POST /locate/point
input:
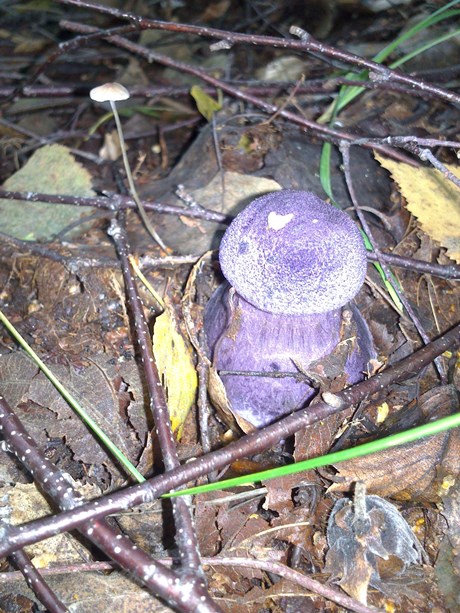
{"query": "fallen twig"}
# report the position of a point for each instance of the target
(248, 445)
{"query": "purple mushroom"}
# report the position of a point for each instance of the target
(292, 262)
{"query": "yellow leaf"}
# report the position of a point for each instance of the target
(206, 105)
(173, 356)
(45, 560)
(382, 412)
(432, 199)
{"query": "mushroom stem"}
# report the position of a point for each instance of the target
(132, 188)
(249, 348)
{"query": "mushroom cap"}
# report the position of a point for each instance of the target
(109, 92)
(291, 252)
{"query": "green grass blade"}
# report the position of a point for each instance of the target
(349, 93)
(436, 17)
(394, 440)
(92, 425)
(389, 287)
(100, 122)
(424, 47)
(325, 169)
(325, 177)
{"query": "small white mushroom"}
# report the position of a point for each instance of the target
(109, 92)
(112, 93)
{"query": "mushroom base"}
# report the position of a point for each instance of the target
(272, 364)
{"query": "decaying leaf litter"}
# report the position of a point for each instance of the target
(201, 148)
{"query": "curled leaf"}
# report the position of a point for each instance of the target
(206, 105)
(432, 198)
(419, 471)
(369, 541)
(174, 361)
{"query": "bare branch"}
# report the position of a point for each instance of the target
(248, 445)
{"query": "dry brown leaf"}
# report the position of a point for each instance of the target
(448, 561)
(88, 592)
(23, 503)
(206, 523)
(96, 385)
(370, 542)
(420, 471)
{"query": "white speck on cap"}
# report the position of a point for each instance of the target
(109, 92)
(277, 221)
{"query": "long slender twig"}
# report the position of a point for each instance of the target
(446, 271)
(185, 534)
(160, 580)
(426, 154)
(322, 131)
(46, 140)
(327, 86)
(77, 262)
(37, 583)
(450, 271)
(296, 577)
(305, 44)
(402, 141)
(248, 445)
(276, 568)
(113, 202)
(63, 48)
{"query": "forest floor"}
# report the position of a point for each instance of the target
(227, 102)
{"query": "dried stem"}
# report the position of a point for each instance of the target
(185, 534)
(345, 151)
(248, 445)
(160, 580)
(307, 43)
(36, 583)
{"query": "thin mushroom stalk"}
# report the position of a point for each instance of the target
(282, 324)
(113, 92)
